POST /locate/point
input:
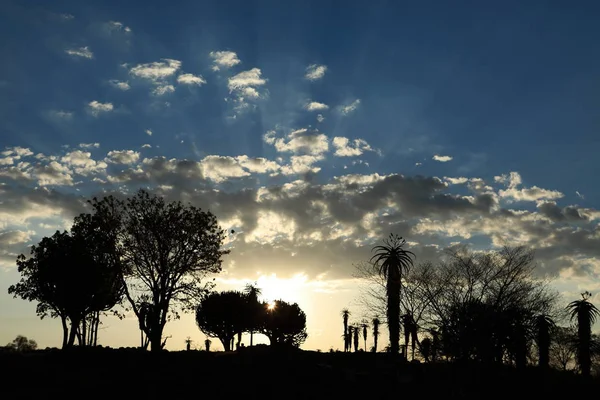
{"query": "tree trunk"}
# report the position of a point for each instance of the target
(393, 311)
(65, 328)
(156, 339)
(73, 333)
(226, 341)
(251, 337)
(375, 343)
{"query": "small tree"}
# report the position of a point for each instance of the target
(285, 324)
(71, 276)
(585, 313)
(167, 250)
(376, 324)
(221, 315)
(22, 344)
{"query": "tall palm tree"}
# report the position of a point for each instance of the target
(376, 323)
(364, 325)
(586, 314)
(349, 338)
(355, 331)
(345, 316)
(393, 262)
(252, 292)
(543, 325)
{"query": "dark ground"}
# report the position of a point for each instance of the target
(263, 374)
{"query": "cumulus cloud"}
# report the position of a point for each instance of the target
(190, 79)
(514, 193)
(224, 59)
(122, 156)
(148, 132)
(96, 108)
(244, 86)
(163, 89)
(350, 108)
(440, 158)
(316, 106)
(309, 142)
(120, 85)
(346, 148)
(220, 168)
(83, 52)
(320, 118)
(82, 163)
(315, 72)
(156, 71)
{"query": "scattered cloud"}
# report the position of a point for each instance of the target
(244, 86)
(156, 71)
(96, 108)
(148, 132)
(224, 59)
(146, 146)
(316, 106)
(163, 89)
(120, 85)
(123, 157)
(305, 141)
(89, 145)
(350, 108)
(83, 52)
(346, 148)
(320, 118)
(190, 79)
(116, 26)
(439, 158)
(582, 197)
(82, 163)
(315, 72)
(61, 115)
(514, 193)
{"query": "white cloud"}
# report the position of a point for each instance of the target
(82, 163)
(89, 145)
(117, 26)
(224, 59)
(52, 174)
(163, 89)
(320, 118)
(96, 108)
(120, 85)
(310, 142)
(83, 52)
(190, 79)
(582, 197)
(122, 156)
(156, 71)
(250, 78)
(148, 132)
(258, 165)
(302, 164)
(315, 72)
(146, 146)
(316, 106)
(418, 164)
(456, 181)
(442, 158)
(345, 148)
(534, 193)
(220, 168)
(350, 108)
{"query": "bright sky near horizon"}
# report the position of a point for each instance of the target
(312, 128)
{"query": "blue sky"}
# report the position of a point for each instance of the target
(313, 107)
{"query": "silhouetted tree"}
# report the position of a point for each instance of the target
(345, 316)
(544, 325)
(393, 262)
(585, 313)
(364, 325)
(425, 348)
(220, 315)
(563, 347)
(188, 344)
(22, 344)
(376, 323)
(356, 333)
(207, 343)
(254, 309)
(167, 250)
(285, 324)
(349, 337)
(410, 332)
(72, 275)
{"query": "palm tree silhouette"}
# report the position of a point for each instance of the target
(393, 261)
(349, 338)
(355, 331)
(586, 314)
(543, 324)
(345, 316)
(376, 323)
(252, 292)
(364, 326)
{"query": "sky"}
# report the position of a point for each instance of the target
(312, 128)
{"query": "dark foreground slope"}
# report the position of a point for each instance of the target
(263, 374)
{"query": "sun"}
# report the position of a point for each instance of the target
(271, 305)
(286, 289)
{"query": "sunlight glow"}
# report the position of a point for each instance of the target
(271, 305)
